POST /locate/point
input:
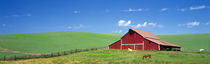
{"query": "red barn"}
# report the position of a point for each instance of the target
(142, 40)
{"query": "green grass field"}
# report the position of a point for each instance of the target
(121, 57)
(55, 41)
(60, 41)
(189, 41)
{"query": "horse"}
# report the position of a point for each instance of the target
(145, 56)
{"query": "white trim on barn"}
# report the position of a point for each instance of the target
(143, 45)
(134, 44)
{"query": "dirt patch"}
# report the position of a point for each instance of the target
(15, 51)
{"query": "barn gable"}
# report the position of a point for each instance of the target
(141, 40)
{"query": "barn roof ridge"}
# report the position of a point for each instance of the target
(153, 38)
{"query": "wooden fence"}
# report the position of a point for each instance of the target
(196, 50)
(46, 55)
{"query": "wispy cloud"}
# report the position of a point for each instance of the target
(164, 9)
(197, 7)
(152, 24)
(182, 9)
(75, 27)
(207, 23)
(3, 25)
(117, 31)
(124, 23)
(147, 24)
(18, 15)
(76, 12)
(139, 25)
(190, 24)
(133, 10)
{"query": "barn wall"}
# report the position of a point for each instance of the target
(115, 45)
(134, 38)
(151, 46)
(148, 45)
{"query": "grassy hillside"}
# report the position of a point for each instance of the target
(55, 41)
(60, 41)
(121, 57)
(189, 41)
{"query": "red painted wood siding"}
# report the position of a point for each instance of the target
(134, 38)
(115, 45)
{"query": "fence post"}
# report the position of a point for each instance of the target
(75, 50)
(58, 54)
(64, 52)
(4, 58)
(70, 51)
(51, 54)
(15, 57)
(25, 57)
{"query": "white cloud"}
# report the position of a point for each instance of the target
(134, 10)
(146, 24)
(124, 23)
(136, 26)
(190, 24)
(197, 7)
(3, 25)
(164, 9)
(76, 12)
(182, 9)
(193, 23)
(152, 24)
(75, 27)
(18, 15)
(117, 31)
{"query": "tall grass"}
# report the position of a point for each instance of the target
(122, 57)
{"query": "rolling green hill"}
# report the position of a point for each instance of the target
(189, 42)
(55, 41)
(60, 41)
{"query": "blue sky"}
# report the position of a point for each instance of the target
(105, 16)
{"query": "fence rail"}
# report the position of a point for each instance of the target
(46, 55)
(196, 50)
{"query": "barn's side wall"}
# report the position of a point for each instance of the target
(115, 45)
(151, 46)
(134, 38)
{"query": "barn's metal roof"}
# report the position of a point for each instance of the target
(153, 38)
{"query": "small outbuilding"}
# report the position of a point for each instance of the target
(142, 40)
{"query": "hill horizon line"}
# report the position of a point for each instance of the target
(100, 33)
